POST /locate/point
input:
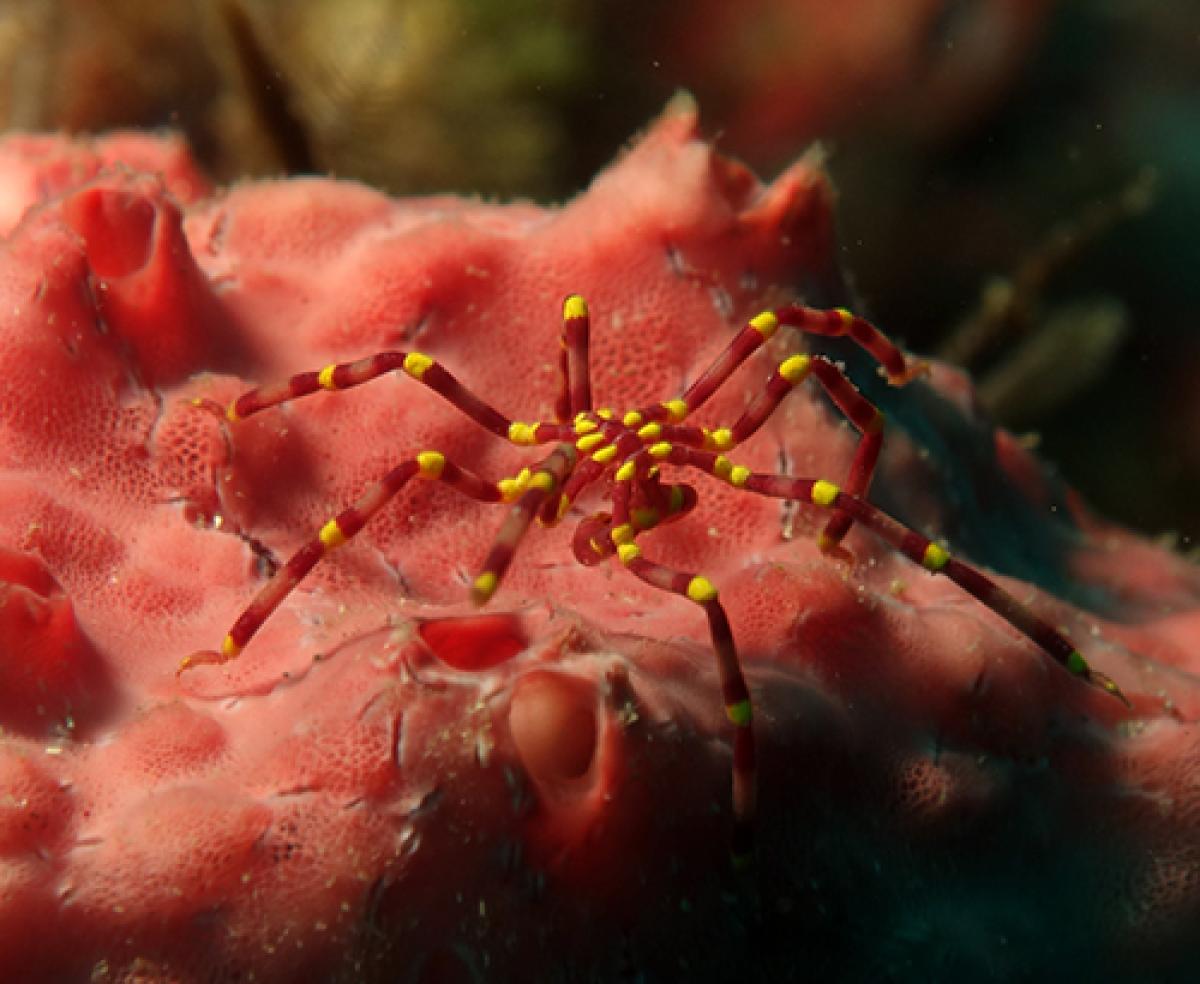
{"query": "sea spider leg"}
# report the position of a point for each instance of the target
(575, 396)
(545, 480)
(861, 413)
(432, 465)
(346, 375)
(908, 542)
(734, 692)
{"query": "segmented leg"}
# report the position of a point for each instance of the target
(346, 375)
(545, 480)
(911, 544)
(431, 465)
(863, 414)
(576, 395)
(734, 692)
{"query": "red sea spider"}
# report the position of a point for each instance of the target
(622, 452)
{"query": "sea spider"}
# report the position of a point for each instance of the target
(624, 451)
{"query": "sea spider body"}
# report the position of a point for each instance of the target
(622, 453)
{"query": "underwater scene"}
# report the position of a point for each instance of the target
(594, 491)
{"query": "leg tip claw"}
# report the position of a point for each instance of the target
(913, 369)
(1109, 686)
(201, 657)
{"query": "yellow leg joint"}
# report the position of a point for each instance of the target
(765, 324)
(229, 648)
(325, 378)
(331, 535)
(484, 586)
(575, 307)
(432, 464)
(739, 713)
(701, 589)
(935, 558)
(795, 369)
(589, 442)
(676, 409)
(824, 493)
(622, 534)
(522, 433)
(416, 364)
(629, 552)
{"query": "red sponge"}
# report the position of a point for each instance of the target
(387, 782)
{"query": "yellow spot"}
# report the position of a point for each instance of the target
(416, 364)
(722, 466)
(564, 505)
(575, 307)
(935, 558)
(522, 433)
(605, 455)
(652, 471)
(625, 472)
(583, 425)
(677, 410)
(632, 419)
(700, 590)
(229, 648)
(605, 413)
(795, 369)
(644, 517)
(720, 439)
(1076, 663)
(325, 378)
(622, 534)
(675, 503)
(511, 488)
(739, 475)
(660, 450)
(629, 552)
(765, 324)
(596, 548)
(231, 413)
(739, 713)
(331, 535)
(484, 586)
(650, 432)
(432, 463)
(543, 480)
(824, 493)
(590, 441)
(846, 316)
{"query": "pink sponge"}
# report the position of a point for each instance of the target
(388, 782)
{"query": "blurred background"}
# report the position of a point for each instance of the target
(1019, 180)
